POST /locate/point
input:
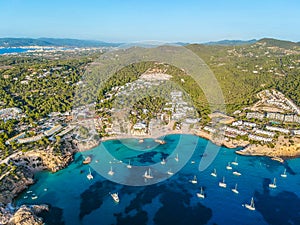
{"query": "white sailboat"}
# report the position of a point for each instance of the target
(223, 184)
(115, 197)
(235, 190)
(251, 206)
(229, 166)
(169, 172)
(129, 165)
(236, 173)
(111, 172)
(273, 185)
(235, 162)
(284, 175)
(214, 174)
(177, 158)
(147, 174)
(194, 181)
(89, 176)
(163, 162)
(201, 194)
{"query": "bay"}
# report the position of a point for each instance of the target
(166, 199)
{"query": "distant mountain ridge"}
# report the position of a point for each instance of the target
(231, 42)
(58, 42)
(267, 41)
(68, 42)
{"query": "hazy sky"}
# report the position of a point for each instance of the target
(139, 20)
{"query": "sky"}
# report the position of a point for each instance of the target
(159, 20)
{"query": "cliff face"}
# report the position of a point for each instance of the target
(26, 215)
(49, 159)
(15, 182)
(26, 163)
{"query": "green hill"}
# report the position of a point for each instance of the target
(270, 42)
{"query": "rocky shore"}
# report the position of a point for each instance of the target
(25, 215)
(221, 141)
(21, 168)
(15, 182)
(283, 148)
(87, 145)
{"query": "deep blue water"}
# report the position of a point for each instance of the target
(13, 50)
(76, 200)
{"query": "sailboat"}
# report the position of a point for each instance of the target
(223, 184)
(235, 190)
(169, 172)
(147, 174)
(273, 185)
(229, 166)
(235, 162)
(177, 158)
(163, 162)
(251, 206)
(115, 197)
(214, 174)
(194, 181)
(129, 165)
(201, 194)
(111, 172)
(283, 174)
(89, 176)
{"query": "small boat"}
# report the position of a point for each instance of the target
(214, 174)
(278, 159)
(235, 162)
(34, 197)
(236, 173)
(273, 185)
(25, 197)
(223, 184)
(201, 194)
(147, 174)
(162, 142)
(87, 160)
(90, 176)
(129, 165)
(170, 172)
(194, 181)
(115, 197)
(251, 206)
(192, 162)
(111, 172)
(235, 190)
(177, 158)
(45, 189)
(28, 192)
(229, 166)
(283, 174)
(163, 162)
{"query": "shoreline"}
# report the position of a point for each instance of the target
(248, 150)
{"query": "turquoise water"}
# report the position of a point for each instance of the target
(167, 199)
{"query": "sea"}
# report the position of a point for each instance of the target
(167, 198)
(13, 50)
